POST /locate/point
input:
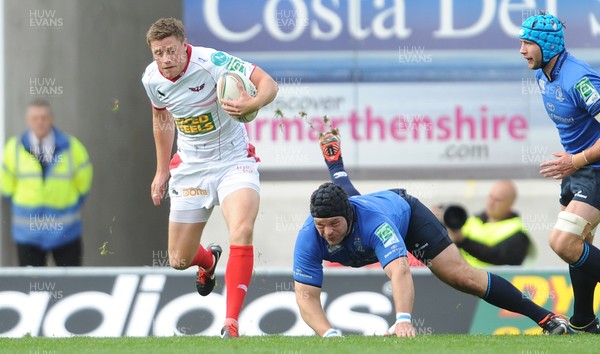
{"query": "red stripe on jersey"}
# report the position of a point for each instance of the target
(252, 152)
(175, 161)
(252, 72)
(156, 108)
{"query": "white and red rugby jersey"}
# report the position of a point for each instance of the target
(205, 132)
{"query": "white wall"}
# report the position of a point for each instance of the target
(284, 207)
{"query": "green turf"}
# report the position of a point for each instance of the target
(301, 345)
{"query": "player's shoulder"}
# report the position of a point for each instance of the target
(209, 56)
(368, 208)
(576, 63)
(308, 229)
(308, 236)
(150, 73)
(201, 54)
(384, 193)
(577, 69)
(371, 198)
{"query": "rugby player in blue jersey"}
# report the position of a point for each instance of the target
(569, 89)
(358, 230)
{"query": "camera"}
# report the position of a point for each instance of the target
(453, 216)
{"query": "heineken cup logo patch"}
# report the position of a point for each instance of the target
(386, 234)
(588, 92)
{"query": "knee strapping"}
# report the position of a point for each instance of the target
(572, 223)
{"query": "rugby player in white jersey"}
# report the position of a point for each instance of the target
(214, 164)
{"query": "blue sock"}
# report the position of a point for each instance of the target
(589, 261)
(501, 293)
(583, 295)
(340, 177)
(585, 274)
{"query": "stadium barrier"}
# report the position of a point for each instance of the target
(158, 301)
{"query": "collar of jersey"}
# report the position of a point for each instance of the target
(558, 66)
(189, 56)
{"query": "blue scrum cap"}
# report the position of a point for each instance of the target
(547, 32)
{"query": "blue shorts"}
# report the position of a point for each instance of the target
(426, 236)
(582, 186)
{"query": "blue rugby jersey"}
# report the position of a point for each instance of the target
(572, 100)
(380, 226)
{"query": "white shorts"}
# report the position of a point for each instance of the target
(195, 188)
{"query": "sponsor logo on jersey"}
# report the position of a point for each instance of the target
(550, 106)
(542, 85)
(560, 97)
(386, 234)
(398, 249)
(219, 58)
(588, 92)
(201, 124)
(358, 245)
(197, 88)
(300, 273)
(560, 119)
(246, 168)
(194, 192)
(237, 65)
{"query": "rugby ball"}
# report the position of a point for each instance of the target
(227, 89)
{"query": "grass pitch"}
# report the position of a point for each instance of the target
(302, 345)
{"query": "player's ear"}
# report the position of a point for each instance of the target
(185, 41)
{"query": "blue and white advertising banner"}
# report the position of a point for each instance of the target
(408, 83)
(367, 25)
(157, 301)
(402, 124)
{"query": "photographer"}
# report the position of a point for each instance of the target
(495, 236)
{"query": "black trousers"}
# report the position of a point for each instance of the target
(68, 255)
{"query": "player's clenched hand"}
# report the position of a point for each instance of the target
(159, 187)
(559, 168)
(405, 329)
(244, 105)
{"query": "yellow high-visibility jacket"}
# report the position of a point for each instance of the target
(46, 202)
(492, 235)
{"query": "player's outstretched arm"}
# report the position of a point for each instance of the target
(403, 292)
(309, 301)
(164, 134)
